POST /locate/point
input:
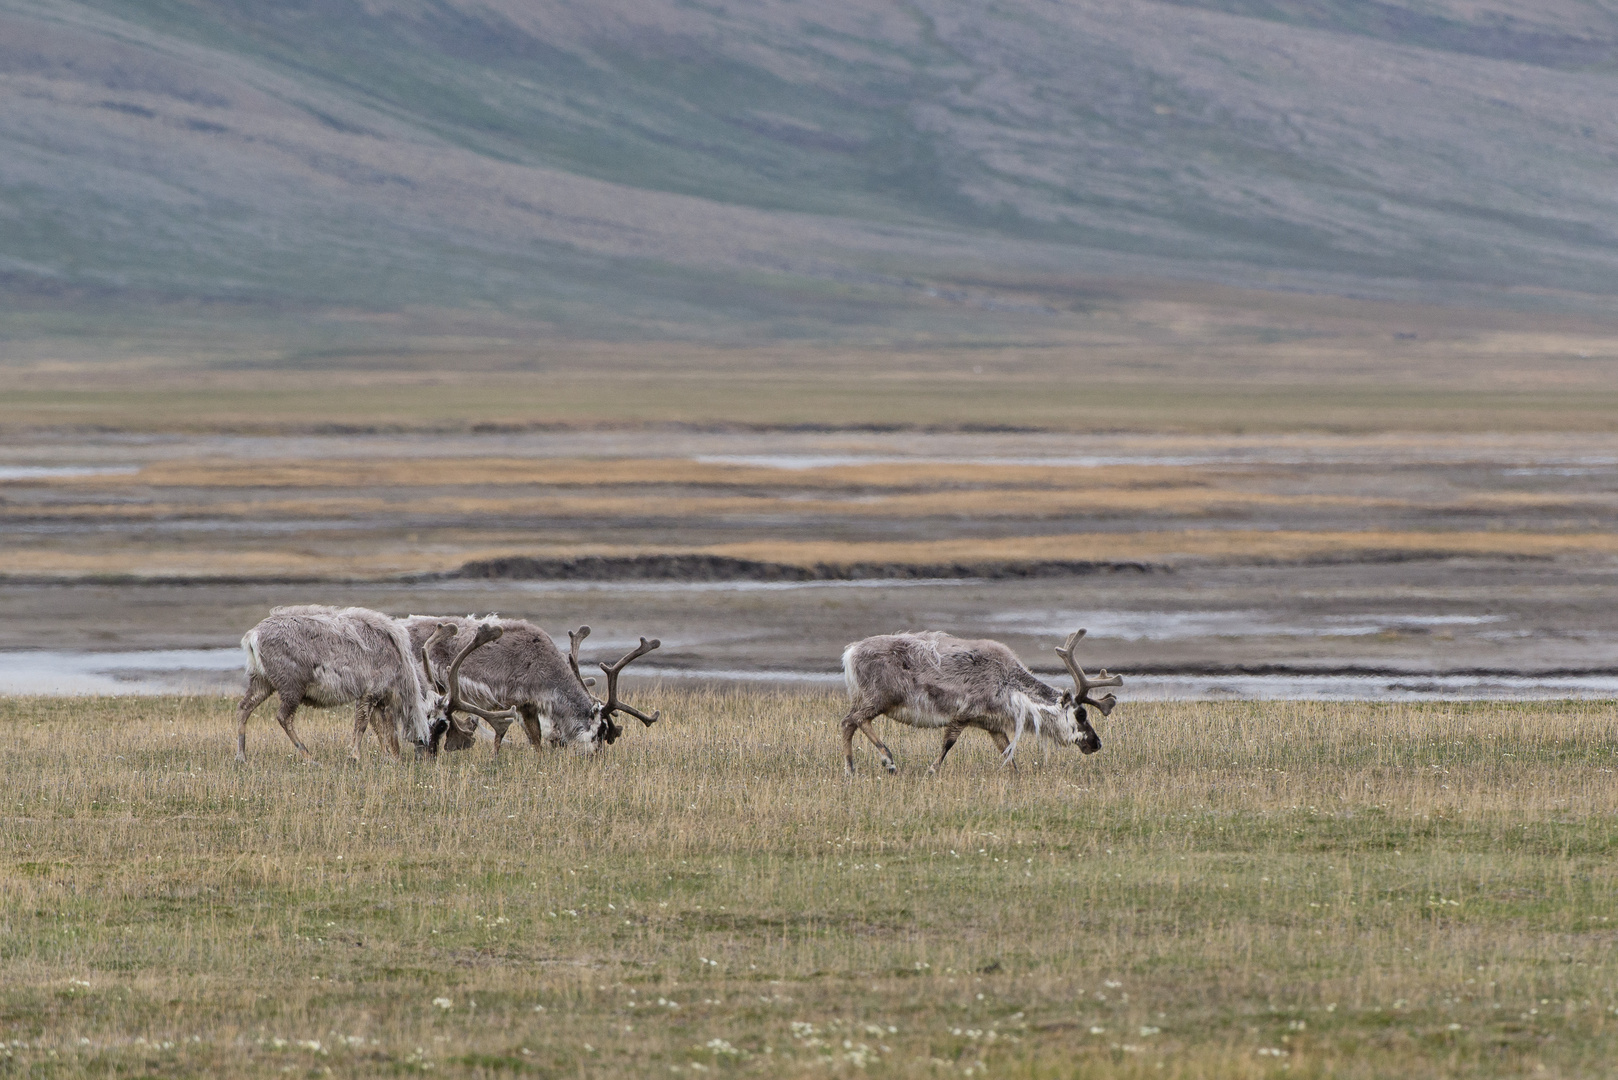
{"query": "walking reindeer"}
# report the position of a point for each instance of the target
(525, 676)
(935, 680)
(328, 656)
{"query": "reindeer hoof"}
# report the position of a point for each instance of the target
(893, 769)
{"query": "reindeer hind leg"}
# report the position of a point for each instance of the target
(859, 718)
(851, 723)
(258, 688)
(881, 747)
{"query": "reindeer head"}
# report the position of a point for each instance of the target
(1083, 735)
(446, 703)
(603, 729)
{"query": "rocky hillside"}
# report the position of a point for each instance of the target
(679, 165)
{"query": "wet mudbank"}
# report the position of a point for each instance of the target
(721, 568)
(1356, 671)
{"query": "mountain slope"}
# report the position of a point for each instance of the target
(799, 165)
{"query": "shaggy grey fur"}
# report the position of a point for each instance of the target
(524, 670)
(935, 680)
(327, 656)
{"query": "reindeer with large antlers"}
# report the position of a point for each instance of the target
(935, 680)
(524, 676)
(327, 656)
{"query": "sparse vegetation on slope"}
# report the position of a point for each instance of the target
(783, 169)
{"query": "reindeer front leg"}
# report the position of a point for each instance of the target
(289, 705)
(1001, 742)
(499, 734)
(362, 718)
(385, 722)
(951, 733)
(529, 714)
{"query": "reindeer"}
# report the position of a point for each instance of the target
(327, 656)
(934, 680)
(526, 676)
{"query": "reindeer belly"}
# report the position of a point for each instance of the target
(919, 715)
(330, 687)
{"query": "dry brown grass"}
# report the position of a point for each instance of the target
(1236, 544)
(1036, 504)
(432, 513)
(1230, 890)
(1134, 375)
(402, 556)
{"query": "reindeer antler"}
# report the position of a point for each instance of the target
(486, 633)
(443, 631)
(574, 637)
(1084, 682)
(612, 704)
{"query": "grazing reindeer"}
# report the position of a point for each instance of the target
(934, 680)
(328, 656)
(526, 676)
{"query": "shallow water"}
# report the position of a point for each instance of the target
(794, 450)
(52, 472)
(799, 462)
(145, 671)
(1403, 687)
(631, 587)
(219, 671)
(1171, 625)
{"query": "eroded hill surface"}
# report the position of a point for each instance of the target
(686, 168)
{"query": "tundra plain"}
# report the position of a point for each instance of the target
(1386, 489)
(1226, 890)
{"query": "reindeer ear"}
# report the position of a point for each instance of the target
(1067, 697)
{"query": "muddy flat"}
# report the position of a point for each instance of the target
(1187, 557)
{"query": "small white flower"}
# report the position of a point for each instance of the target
(444, 1003)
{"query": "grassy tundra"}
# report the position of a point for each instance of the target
(1226, 890)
